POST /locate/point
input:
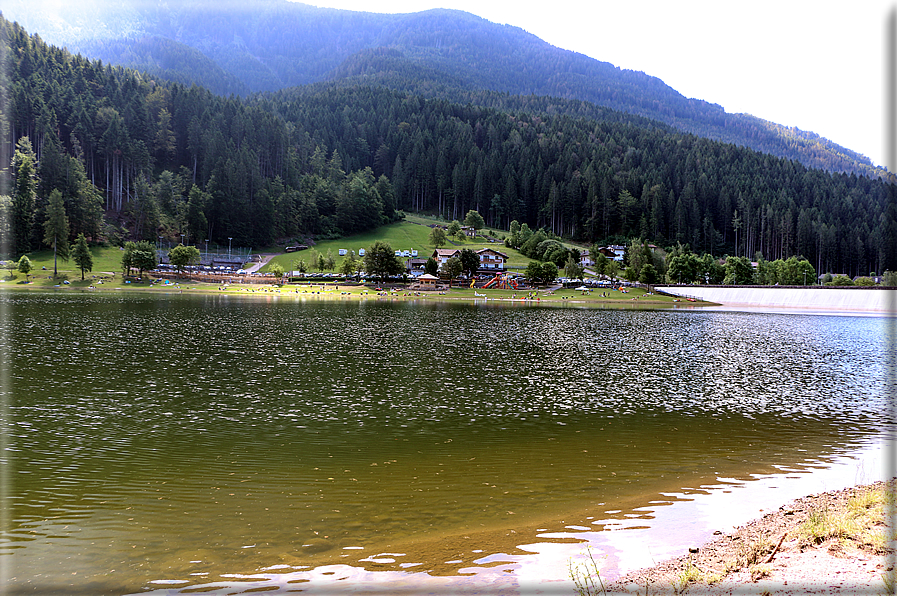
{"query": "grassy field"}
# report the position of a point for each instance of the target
(106, 262)
(411, 234)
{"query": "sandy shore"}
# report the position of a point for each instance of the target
(838, 542)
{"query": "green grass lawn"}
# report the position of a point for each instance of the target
(411, 234)
(106, 261)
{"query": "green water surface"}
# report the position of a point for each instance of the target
(178, 441)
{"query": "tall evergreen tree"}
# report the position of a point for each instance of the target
(82, 256)
(197, 223)
(24, 192)
(56, 229)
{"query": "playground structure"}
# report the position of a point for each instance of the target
(502, 281)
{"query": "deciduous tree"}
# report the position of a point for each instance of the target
(276, 269)
(537, 272)
(454, 229)
(180, 256)
(144, 256)
(127, 258)
(25, 266)
(470, 261)
(141, 256)
(840, 280)
(349, 265)
(600, 261)
(683, 268)
(437, 237)
(612, 269)
(317, 261)
(573, 267)
(474, 220)
(452, 268)
(711, 270)
(648, 274)
(380, 260)
(549, 272)
(533, 273)
(738, 271)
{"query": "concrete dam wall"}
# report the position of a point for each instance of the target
(817, 298)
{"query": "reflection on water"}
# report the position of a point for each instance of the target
(175, 442)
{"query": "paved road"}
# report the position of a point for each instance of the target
(255, 267)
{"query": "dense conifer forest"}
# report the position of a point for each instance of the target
(136, 156)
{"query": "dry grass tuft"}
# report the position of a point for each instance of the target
(862, 522)
(751, 552)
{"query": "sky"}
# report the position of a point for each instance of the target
(817, 66)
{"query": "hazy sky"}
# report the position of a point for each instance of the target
(815, 65)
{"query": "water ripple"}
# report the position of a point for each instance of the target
(305, 429)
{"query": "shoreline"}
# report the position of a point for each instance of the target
(784, 552)
(637, 298)
(630, 298)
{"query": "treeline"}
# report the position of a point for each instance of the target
(167, 159)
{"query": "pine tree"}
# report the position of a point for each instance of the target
(81, 255)
(23, 197)
(56, 229)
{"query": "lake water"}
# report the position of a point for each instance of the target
(228, 444)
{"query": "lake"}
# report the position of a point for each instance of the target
(228, 444)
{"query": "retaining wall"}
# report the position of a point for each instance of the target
(822, 298)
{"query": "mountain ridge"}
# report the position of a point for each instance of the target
(236, 48)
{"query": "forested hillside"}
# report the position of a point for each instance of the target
(233, 47)
(165, 159)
